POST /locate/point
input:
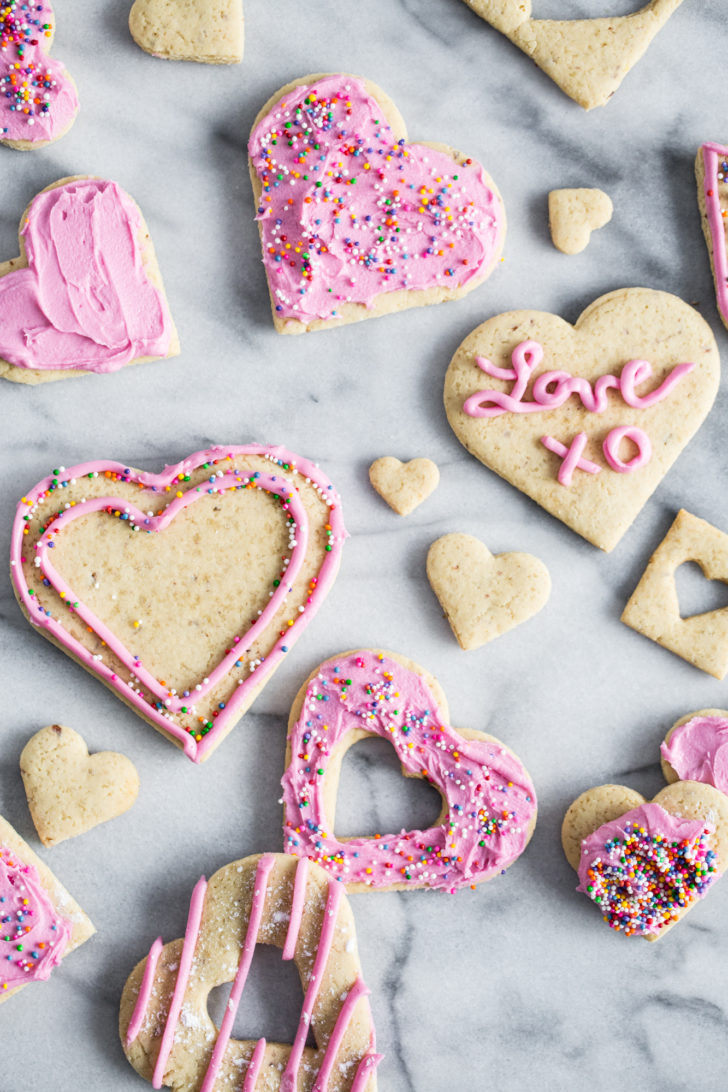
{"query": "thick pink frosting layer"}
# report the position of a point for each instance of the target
(348, 212)
(85, 300)
(33, 936)
(715, 159)
(698, 751)
(490, 798)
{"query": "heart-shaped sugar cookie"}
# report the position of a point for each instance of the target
(70, 791)
(484, 595)
(210, 31)
(586, 419)
(86, 293)
(587, 58)
(404, 486)
(696, 749)
(38, 100)
(574, 215)
(354, 221)
(181, 591)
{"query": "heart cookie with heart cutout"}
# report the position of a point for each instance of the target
(209, 31)
(586, 58)
(404, 486)
(164, 1023)
(181, 591)
(86, 294)
(354, 220)
(586, 419)
(488, 799)
(70, 791)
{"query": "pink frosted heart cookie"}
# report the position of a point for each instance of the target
(489, 803)
(696, 749)
(181, 591)
(356, 222)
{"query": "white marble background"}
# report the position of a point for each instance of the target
(518, 985)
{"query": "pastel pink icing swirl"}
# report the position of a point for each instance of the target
(490, 798)
(348, 212)
(33, 936)
(698, 751)
(84, 300)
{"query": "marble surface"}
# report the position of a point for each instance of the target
(517, 985)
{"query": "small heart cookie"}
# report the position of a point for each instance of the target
(70, 791)
(484, 595)
(404, 486)
(210, 31)
(356, 222)
(574, 215)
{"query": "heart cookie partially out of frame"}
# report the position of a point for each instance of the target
(586, 419)
(356, 222)
(209, 31)
(181, 591)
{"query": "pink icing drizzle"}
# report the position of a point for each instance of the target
(572, 457)
(490, 797)
(611, 449)
(299, 896)
(364, 1070)
(156, 483)
(346, 1012)
(254, 1066)
(711, 154)
(84, 301)
(145, 991)
(340, 162)
(698, 751)
(27, 919)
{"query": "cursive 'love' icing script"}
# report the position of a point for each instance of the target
(552, 389)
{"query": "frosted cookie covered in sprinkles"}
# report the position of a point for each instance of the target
(354, 221)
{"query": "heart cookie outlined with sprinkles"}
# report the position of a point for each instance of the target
(183, 608)
(208, 31)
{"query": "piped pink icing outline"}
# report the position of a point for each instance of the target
(145, 992)
(326, 574)
(711, 152)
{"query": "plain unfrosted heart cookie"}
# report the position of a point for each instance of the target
(85, 295)
(181, 591)
(484, 595)
(587, 58)
(586, 419)
(365, 223)
(164, 1023)
(38, 100)
(711, 172)
(488, 799)
(574, 215)
(404, 486)
(210, 31)
(70, 791)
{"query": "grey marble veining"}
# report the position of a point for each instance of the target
(518, 985)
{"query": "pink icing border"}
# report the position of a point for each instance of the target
(192, 748)
(711, 152)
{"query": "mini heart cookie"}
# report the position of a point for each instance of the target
(86, 294)
(483, 595)
(354, 221)
(574, 215)
(70, 791)
(38, 100)
(696, 749)
(587, 58)
(586, 419)
(488, 799)
(404, 486)
(181, 591)
(210, 31)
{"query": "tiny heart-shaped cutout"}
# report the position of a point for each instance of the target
(404, 486)
(164, 1021)
(565, 416)
(574, 215)
(210, 31)
(184, 607)
(354, 221)
(86, 293)
(484, 595)
(70, 791)
(31, 119)
(488, 800)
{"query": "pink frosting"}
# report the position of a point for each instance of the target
(715, 156)
(84, 300)
(348, 212)
(490, 798)
(698, 751)
(33, 937)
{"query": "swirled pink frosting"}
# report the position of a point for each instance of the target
(33, 936)
(84, 300)
(698, 751)
(348, 211)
